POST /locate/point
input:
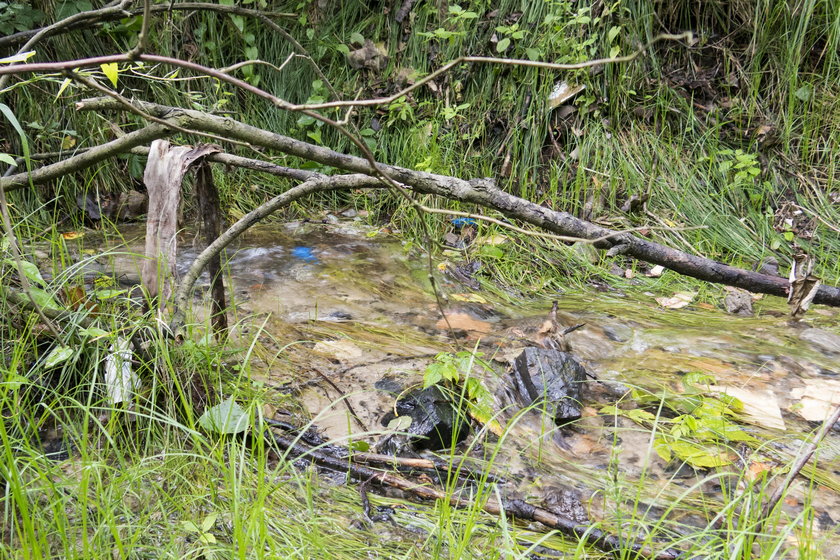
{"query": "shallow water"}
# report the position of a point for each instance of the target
(359, 311)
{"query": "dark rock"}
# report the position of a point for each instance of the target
(769, 266)
(565, 502)
(551, 376)
(436, 423)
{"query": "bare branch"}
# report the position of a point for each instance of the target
(484, 194)
(492, 60)
(143, 36)
(110, 13)
(84, 159)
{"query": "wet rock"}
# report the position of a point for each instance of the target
(435, 423)
(132, 205)
(550, 376)
(826, 342)
(769, 266)
(738, 302)
(565, 502)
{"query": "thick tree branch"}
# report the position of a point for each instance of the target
(85, 159)
(483, 193)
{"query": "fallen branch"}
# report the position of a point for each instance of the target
(85, 159)
(514, 509)
(478, 191)
(84, 20)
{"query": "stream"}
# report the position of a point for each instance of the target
(345, 302)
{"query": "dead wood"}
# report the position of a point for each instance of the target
(165, 169)
(85, 159)
(483, 193)
(514, 509)
(211, 225)
(85, 20)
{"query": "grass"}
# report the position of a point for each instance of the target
(148, 483)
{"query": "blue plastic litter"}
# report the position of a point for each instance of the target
(304, 254)
(461, 222)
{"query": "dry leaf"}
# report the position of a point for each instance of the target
(756, 469)
(464, 321)
(72, 234)
(817, 399)
(760, 406)
(677, 301)
(803, 285)
(491, 239)
(656, 271)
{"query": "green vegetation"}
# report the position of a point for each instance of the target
(736, 131)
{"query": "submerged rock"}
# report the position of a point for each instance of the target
(436, 423)
(551, 377)
(825, 341)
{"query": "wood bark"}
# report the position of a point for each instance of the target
(85, 159)
(481, 192)
(211, 218)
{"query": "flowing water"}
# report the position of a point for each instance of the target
(344, 317)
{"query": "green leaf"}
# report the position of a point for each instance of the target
(58, 355)
(190, 527)
(109, 293)
(93, 332)
(29, 270)
(315, 135)
(6, 158)
(503, 45)
(225, 418)
(433, 374)
(533, 54)
(111, 71)
(15, 382)
(44, 299)
(209, 521)
(695, 378)
(357, 37)
(804, 93)
(491, 251)
(20, 57)
(662, 449)
(613, 33)
(638, 415)
(400, 423)
(699, 456)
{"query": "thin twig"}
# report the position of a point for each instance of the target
(803, 459)
(143, 36)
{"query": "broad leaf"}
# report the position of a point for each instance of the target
(225, 418)
(58, 355)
